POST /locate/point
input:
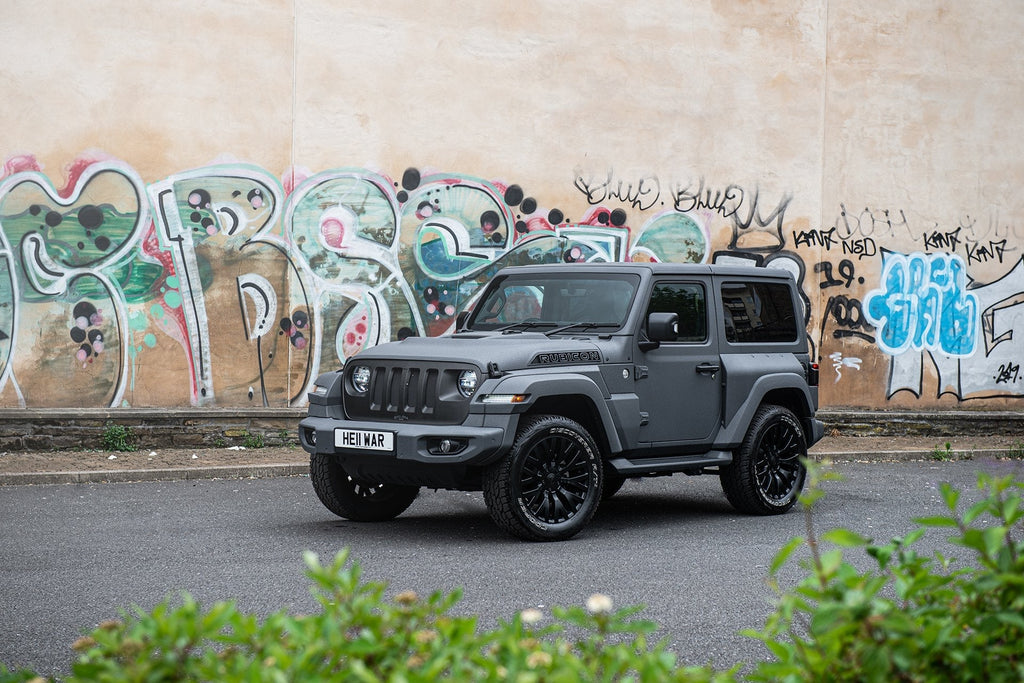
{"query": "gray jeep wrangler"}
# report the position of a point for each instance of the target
(565, 380)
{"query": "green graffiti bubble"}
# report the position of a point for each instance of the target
(138, 321)
(156, 311)
(172, 281)
(149, 340)
(173, 299)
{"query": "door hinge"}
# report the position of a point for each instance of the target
(644, 418)
(639, 372)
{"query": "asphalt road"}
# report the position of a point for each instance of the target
(73, 555)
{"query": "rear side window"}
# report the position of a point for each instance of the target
(758, 312)
(688, 301)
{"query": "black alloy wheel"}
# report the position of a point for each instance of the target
(767, 472)
(548, 487)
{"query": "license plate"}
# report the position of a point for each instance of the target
(364, 440)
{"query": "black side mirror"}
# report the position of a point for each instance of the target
(661, 327)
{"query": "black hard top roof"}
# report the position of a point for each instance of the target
(644, 268)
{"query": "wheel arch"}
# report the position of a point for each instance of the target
(579, 408)
(777, 390)
(570, 395)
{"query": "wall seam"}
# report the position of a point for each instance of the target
(822, 173)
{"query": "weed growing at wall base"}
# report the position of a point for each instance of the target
(252, 440)
(117, 438)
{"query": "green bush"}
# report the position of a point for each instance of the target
(910, 618)
(359, 635)
(117, 438)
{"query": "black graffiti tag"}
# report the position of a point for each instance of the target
(846, 271)
(848, 314)
(812, 238)
(641, 194)
(1008, 373)
(943, 241)
(983, 253)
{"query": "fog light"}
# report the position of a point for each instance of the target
(446, 446)
(311, 436)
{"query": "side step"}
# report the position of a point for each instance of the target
(640, 467)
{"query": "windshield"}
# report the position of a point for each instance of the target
(556, 302)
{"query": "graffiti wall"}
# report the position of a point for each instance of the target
(396, 155)
(226, 286)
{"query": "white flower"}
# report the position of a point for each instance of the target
(599, 603)
(531, 616)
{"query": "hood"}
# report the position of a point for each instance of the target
(509, 351)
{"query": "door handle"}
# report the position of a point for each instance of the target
(708, 369)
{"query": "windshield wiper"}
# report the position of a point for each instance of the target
(525, 324)
(584, 326)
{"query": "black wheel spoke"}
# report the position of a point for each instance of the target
(777, 465)
(554, 479)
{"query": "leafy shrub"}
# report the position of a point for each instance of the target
(359, 635)
(117, 438)
(911, 618)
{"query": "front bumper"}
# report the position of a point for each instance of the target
(413, 443)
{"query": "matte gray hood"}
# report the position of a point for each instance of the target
(510, 351)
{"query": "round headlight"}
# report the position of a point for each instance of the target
(467, 382)
(361, 378)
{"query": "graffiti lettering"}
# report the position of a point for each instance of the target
(744, 210)
(848, 314)
(1008, 373)
(846, 270)
(982, 253)
(724, 202)
(860, 248)
(642, 195)
(923, 303)
(871, 222)
(838, 362)
(812, 238)
(946, 241)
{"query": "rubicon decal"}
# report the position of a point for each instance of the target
(563, 357)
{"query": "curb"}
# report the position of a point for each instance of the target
(170, 474)
(292, 469)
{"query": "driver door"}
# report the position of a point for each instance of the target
(679, 384)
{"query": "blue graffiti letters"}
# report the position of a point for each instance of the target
(923, 303)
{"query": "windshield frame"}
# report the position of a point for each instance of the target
(579, 302)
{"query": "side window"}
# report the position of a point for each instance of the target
(758, 312)
(689, 302)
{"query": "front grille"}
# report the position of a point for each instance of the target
(405, 392)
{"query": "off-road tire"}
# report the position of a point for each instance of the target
(766, 474)
(354, 499)
(549, 484)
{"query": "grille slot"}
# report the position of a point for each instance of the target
(415, 393)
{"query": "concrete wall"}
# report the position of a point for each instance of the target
(208, 202)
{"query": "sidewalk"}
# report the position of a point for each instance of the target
(80, 467)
